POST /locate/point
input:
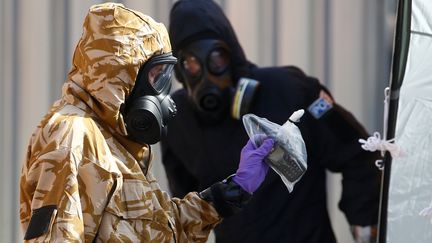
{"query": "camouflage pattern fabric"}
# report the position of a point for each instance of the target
(79, 161)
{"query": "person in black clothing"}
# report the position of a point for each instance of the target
(219, 86)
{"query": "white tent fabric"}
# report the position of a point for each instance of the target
(410, 189)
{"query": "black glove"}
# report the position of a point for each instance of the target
(227, 197)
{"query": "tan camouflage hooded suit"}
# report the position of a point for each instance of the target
(83, 180)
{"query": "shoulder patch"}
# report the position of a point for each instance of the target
(40, 221)
(319, 107)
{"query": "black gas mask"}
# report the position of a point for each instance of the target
(149, 106)
(206, 70)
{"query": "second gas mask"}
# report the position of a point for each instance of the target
(149, 106)
(205, 66)
(205, 69)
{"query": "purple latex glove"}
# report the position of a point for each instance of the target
(252, 167)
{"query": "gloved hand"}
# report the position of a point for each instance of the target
(364, 234)
(252, 167)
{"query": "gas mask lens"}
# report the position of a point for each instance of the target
(218, 61)
(191, 66)
(159, 75)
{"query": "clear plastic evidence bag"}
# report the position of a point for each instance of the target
(288, 157)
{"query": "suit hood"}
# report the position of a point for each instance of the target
(192, 20)
(114, 44)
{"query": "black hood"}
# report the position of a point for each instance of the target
(192, 20)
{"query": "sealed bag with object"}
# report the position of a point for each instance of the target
(288, 158)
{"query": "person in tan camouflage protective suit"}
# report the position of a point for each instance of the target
(86, 179)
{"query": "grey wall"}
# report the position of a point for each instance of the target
(345, 43)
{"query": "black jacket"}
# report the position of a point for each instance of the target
(196, 155)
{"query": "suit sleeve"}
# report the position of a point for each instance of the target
(337, 134)
(195, 218)
(191, 217)
(197, 213)
(59, 190)
(361, 179)
(334, 139)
